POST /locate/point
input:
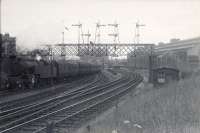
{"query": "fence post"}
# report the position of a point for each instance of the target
(151, 65)
(88, 128)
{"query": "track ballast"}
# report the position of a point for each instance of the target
(70, 110)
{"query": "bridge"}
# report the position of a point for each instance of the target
(97, 50)
(101, 50)
(171, 56)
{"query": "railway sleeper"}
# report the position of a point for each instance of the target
(65, 127)
(89, 113)
(61, 126)
(23, 131)
(74, 118)
(62, 115)
(64, 124)
(87, 118)
(76, 126)
(84, 114)
(66, 114)
(81, 120)
(53, 118)
(68, 122)
(29, 129)
(96, 110)
(45, 132)
(40, 124)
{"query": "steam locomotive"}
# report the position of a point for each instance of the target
(29, 73)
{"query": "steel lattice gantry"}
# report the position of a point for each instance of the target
(99, 50)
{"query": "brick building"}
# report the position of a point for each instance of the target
(8, 45)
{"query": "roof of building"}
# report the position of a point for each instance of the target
(195, 39)
(7, 37)
(185, 43)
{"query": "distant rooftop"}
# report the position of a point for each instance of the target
(7, 36)
(179, 41)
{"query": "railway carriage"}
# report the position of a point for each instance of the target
(165, 70)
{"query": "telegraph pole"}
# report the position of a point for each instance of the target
(137, 31)
(115, 36)
(63, 34)
(63, 37)
(115, 33)
(80, 31)
(88, 35)
(98, 32)
(98, 35)
(62, 45)
(151, 62)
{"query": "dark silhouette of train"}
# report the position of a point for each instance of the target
(29, 73)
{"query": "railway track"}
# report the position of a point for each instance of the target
(64, 109)
(10, 106)
(9, 114)
(4, 93)
(42, 106)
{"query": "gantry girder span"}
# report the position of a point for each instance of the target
(98, 50)
(101, 50)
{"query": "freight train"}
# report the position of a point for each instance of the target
(29, 73)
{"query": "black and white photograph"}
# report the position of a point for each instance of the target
(99, 66)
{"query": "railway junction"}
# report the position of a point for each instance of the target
(75, 92)
(67, 110)
(45, 98)
(65, 103)
(112, 71)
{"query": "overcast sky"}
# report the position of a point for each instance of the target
(36, 22)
